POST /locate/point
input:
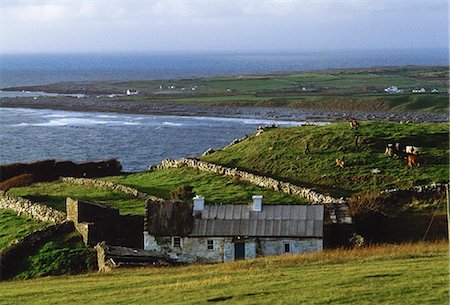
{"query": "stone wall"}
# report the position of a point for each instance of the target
(19, 250)
(111, 186)
(32, 210)
(261, 181)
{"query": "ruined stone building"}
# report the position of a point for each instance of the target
(220, 233)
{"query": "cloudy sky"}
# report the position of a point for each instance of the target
(76, 26)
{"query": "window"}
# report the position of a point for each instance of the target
(287, 248)
(210, 244)
(176, 242)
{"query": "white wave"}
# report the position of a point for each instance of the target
(172, 124)
(106, 116)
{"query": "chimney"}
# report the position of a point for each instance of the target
(199, 203)
(257, 203)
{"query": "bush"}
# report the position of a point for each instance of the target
(183, 193)
(17, 181)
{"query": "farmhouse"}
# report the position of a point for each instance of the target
(220, 233)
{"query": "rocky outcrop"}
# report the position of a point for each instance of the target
(30, 209)
(111, 186)
(261, 181)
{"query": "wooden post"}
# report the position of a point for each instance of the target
(447, 186)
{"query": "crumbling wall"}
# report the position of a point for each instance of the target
(261, 181)
(27, 208)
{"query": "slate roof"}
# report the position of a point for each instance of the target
(272, 221)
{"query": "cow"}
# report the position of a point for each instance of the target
(413, 160)
(412, 150)
(340, 163)
(389, 151)
(354, 123)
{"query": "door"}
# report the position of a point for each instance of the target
(239, 250)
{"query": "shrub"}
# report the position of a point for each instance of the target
(17, 181)
(183, 193)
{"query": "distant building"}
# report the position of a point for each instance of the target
(220, 233)
(132, 92)
(421, 90)
(393, 89)
(434, 90)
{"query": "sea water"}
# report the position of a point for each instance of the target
(136, 140)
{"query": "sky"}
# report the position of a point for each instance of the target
(80, 26)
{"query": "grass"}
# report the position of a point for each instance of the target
(281, 153)
(390, 274)
(13, 227)
(215, 188)
(55, 193)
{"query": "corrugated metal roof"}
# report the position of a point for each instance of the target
(275, 220)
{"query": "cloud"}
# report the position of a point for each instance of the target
(81, 25)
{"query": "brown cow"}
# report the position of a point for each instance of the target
(354, 123)
(413, 160)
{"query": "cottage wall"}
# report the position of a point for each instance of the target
(195, 249)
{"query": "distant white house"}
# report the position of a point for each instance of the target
(132, 92)
(393, 89)
(434, 90)
(421, 90)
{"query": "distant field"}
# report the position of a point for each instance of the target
(349, 89)
(281, 153)
(14, 227)
(392, 274)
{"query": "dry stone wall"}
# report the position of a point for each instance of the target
(111, 186)
(261, 181)
(30, 209)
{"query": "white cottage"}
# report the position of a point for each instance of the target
(221, 233)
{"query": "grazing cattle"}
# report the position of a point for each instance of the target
(413, 160)
(340, 163)
(389, 151)
(354, 123)
(413, 150)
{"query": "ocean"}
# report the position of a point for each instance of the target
(136, 140)
(23, 70)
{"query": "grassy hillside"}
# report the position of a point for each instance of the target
(14, 227)
(395, 274)
(281, 153)
(215, 188)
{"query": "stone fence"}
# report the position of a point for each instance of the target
(21, 248)
(30, 209)
(261, 181)
(111, 186)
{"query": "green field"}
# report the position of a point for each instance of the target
(344, 89)
(13, 227)
(215, 188)
(55, 193)
(281, 153)
(394, 274)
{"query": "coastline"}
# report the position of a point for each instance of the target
(278, 113)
